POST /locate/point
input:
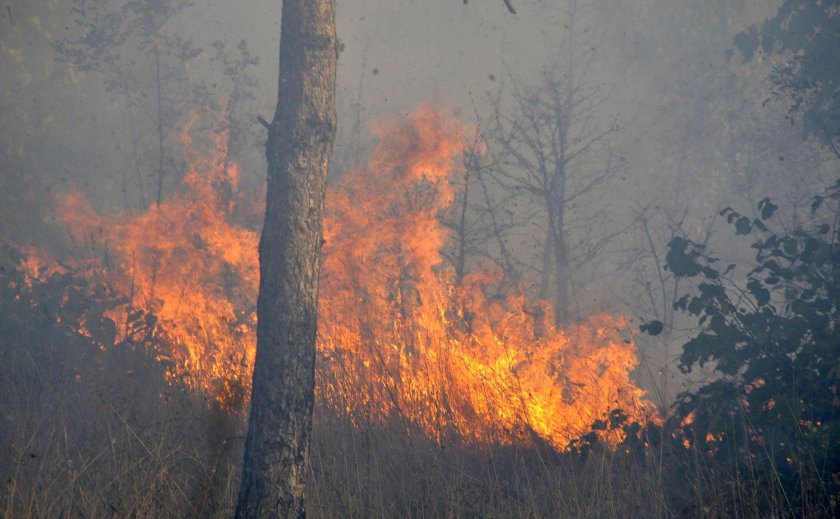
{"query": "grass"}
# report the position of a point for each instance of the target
(76, 455)
(100, 432)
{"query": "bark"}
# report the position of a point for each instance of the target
(299, 149)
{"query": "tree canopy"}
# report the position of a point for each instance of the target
(806, 34)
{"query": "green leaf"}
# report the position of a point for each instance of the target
(695, 306)
(790, 246)
(730, 214)
(743, 225)
(680, 262)
(653, 328)
(747, 43)
(767, 208)
(761, 294)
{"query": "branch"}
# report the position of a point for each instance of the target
(507, 4)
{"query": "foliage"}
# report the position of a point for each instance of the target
(92, 426)
(807, 34)
(111, 32)
(773, 337)
(115, 39)
(59, 328)
(107, 28)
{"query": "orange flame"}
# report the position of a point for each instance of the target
(398, 338)
(197, 271)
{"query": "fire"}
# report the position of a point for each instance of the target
(183, 265)
(399, 338)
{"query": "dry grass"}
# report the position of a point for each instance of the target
(118, 440)
(168, 468)
(385, 472)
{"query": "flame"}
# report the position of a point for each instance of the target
(38, 265)
(399, 338)
(191, 267)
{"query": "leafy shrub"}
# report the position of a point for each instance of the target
(772, 416)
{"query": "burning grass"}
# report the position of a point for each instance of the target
(398, 337)
(126, 371)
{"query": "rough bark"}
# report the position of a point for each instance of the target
(299, 149)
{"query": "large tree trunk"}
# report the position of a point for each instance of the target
(298, 151)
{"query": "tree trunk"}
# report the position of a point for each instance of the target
(558, 201)
(298, 151)
(461, 236)
(556, 263)
(561, 271)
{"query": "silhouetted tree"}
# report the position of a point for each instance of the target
(110, 32)
(555, 151)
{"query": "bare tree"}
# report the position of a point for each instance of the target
(299, 148)
(555, 153)
(654, 290)
(109, 33)
(478, 221)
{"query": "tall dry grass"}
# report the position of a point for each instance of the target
(90, 431)
(82, 454)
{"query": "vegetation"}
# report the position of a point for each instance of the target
(101, 431)
(740, 341)
(771, 419)
(808, 34)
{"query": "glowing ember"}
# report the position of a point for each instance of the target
(398, 339)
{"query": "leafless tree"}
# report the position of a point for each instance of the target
(479, 222)
(556, 154)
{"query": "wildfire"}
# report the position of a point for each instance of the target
(399, 339)
(190, 271)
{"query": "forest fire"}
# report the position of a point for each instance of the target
(591, 213)
(188, 273)
(399, 338)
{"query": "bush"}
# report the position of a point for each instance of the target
(770, 420)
